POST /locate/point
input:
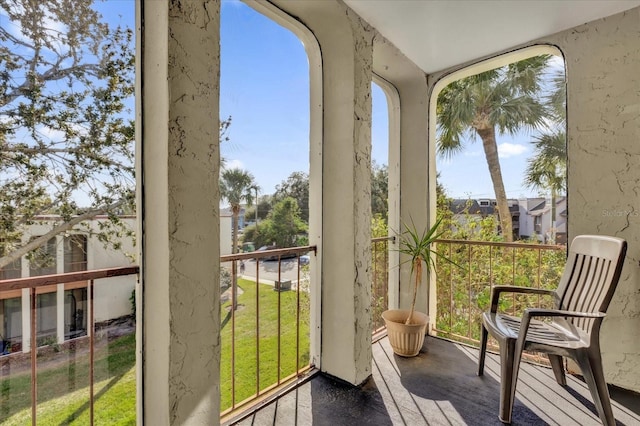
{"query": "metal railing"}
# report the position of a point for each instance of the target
(380, 281)
(34, 284)
(464, 289)
(265, 339)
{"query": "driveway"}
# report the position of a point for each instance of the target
(269, 270)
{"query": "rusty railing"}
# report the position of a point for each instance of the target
(74, 352)
(265, 339)
(380, 281)
(464, 289)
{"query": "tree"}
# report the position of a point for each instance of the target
(286, 223)
(296, 186)
(263, 206)
(500, 101)
(236, 186)
(379, 190)
(283, 227)
(66, 133)
(547, 169)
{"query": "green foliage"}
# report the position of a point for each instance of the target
(297, 187)
(237, 187)
(463, 294)
(379, 190)
(66, 132)
(380, 275)
(283, 227)
(420, 248)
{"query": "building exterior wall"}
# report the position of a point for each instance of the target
(603, 129)
(226, 235)
(111, 296)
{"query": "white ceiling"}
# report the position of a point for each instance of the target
(437, 34)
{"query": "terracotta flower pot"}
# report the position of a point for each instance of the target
(406, 339)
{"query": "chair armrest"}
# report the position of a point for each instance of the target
(497, 290)
(531, 313)
(538, 312)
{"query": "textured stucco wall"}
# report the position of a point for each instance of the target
(603, 119)
(180, 213)
(346, 46)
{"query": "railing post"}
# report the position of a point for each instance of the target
(34, 356)
(92, 329)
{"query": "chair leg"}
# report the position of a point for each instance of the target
(507, 382)
(558, 369)
(483, 349)
(591, 365)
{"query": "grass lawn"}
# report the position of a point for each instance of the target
(63, 385)
(63, 388)
(247, 339)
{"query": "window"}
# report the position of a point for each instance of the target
(75, 313)
(42, 261)
(13, 269)
(10, 325)
(46, 318)
(75, 253)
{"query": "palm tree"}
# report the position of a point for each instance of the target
(547, 169)
(500, 101)
(236, 187)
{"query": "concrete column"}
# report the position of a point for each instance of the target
(26, 320)
(178, 169)
(346, 210)
(416, 181)
(346, 45)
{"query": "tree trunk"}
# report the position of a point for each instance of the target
(488, 136)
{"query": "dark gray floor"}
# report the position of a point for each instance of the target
(439, 387)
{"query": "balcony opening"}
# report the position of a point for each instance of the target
(268, 184)
(501, 182)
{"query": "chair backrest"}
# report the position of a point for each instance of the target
(591, 275)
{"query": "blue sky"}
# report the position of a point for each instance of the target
(265, 89)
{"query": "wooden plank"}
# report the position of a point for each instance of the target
(411, 409)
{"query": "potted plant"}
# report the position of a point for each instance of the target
(406, 328)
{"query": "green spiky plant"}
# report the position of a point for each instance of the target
(420, 248)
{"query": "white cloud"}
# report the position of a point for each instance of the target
(472, 153)
(234, 164)
(506, 150)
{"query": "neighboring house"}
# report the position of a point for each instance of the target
(466, 210)
(540, 223)
(63, 309)
(531, 216)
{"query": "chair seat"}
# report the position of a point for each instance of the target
(540, 333)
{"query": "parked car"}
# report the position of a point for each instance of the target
(275, 257)
(304, 259)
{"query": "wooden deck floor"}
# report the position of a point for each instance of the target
(439, 387)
